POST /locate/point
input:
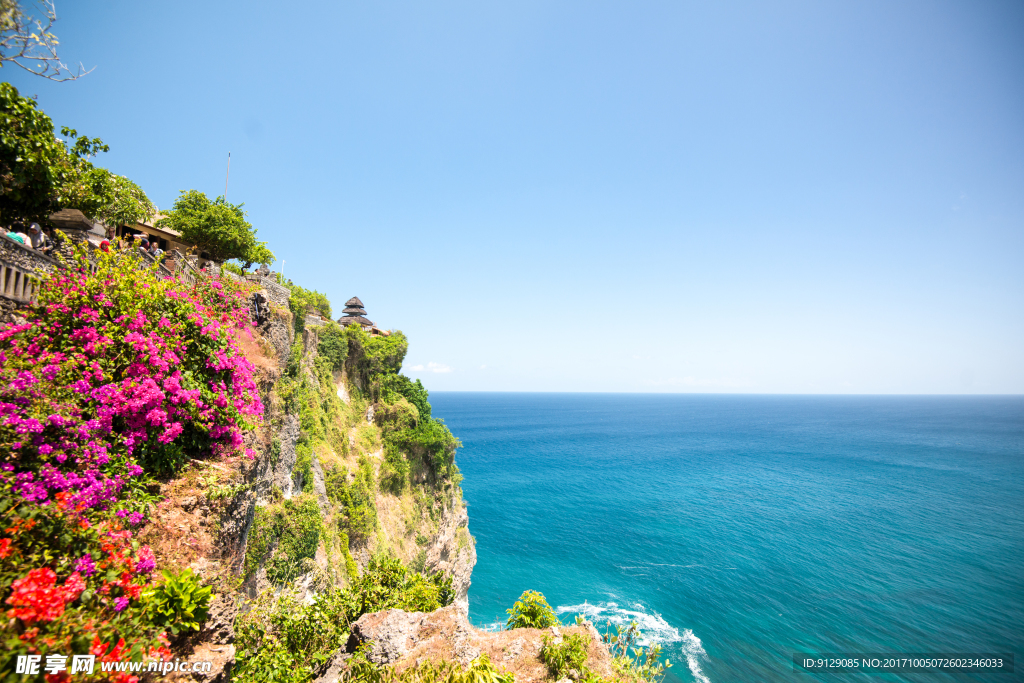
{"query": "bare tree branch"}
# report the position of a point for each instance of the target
(27, 42)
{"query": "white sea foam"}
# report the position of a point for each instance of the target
(694, 653)
(653, 628)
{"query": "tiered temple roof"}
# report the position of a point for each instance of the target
(355, 313)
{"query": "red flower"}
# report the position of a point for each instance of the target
(5, 547)
(36, 597)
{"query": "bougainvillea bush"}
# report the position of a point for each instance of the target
(118, 371)
(118, 375)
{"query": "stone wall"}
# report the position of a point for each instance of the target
(314, 321)
(278, 294)
(24, 258)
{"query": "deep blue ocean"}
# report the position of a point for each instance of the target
(739, 530)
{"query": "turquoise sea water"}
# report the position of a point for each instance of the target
(739, 530)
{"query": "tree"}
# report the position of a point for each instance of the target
(216, 227)
(31, 158)
(27, 43)
(260, 253)
(40, 174)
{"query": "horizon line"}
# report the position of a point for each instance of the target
(715, 393)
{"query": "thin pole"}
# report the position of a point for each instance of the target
(226, 179)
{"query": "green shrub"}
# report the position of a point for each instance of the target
(332, 346)
(394, 472)
(372, 358)
(302, 473)
(632, 662)
(433, 441)
(294, 359)
(567, 655)
(304, 300)
(334, 481)
(296, 525)
(358, 502)
(531, 610)
(351, 568)
(394, 387)
(302, 527)
(395, 417)
(180, 603)
(282, 639)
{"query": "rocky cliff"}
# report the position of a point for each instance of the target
(321, 452)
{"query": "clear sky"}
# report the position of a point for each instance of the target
(793, 197)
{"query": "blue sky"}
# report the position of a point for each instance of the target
(788, 197)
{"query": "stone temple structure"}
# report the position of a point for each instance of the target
(355, 314)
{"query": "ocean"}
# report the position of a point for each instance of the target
(741, 530)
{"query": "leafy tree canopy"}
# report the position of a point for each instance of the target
(40, 174)
(216, 227)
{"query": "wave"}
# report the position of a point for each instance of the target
(694, 653)
(653, 628)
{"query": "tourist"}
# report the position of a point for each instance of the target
(23, 238)
(144, 246)
(155, 251)
(39, 240)
(16, 236)
(105, 245)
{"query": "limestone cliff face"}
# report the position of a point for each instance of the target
(453, 552)
(424, 526)
(320, 432)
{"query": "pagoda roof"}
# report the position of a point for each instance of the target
(354, 301)
(355, 310)
(352, 319)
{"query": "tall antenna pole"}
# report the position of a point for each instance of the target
(226, 179)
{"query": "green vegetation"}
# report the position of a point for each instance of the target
(433, 442)
(568, 655)
(216, 227)
(371, 359)
(40, 174)
(394, 473)
(632, 662)
(180, 603)
(303, 301)
(480, 670)
(396, 387)
(359, 518)
(332, 346)
(302, 473)
(297, 526)
(531, 610)
(281, 639)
